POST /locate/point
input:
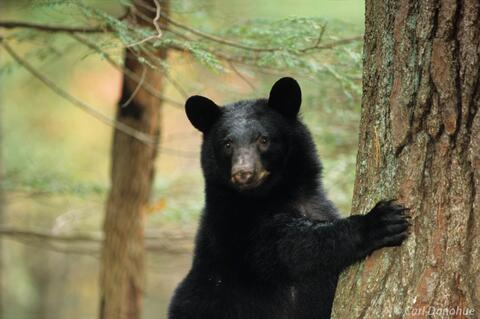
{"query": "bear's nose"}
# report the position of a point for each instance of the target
(242, 177)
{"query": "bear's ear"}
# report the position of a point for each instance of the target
(286, 97)
(202, 112)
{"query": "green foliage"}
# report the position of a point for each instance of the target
(286, 45)
(291, 34)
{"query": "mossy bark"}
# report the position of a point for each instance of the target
(123, 267)
(420, 143)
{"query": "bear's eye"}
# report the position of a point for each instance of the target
(263, 140)
(228, 144)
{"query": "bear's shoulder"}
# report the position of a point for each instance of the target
(316, 207)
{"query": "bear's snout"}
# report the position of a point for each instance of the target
(242, 177)
(247, 168)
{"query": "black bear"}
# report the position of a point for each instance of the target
(270, 244)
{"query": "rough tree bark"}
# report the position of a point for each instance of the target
(420, 143)
(2, 201)
(132, 171)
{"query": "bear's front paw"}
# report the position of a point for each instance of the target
(386, 225)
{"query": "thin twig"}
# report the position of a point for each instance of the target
(156, 240)
(40, 235)
(332, 44)
(146, 18)
(176, 85)
(90, 237)
(165, 73)
(137, 88)
(320, 35)
(157, 27)
(241, 76)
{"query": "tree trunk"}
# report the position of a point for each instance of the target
(123, 266)
(420, 143)
(2, 201)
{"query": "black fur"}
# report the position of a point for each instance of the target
(274, 250)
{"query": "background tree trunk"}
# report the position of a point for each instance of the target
(132, 172)
(420, 143)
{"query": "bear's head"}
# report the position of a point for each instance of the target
(247, 145)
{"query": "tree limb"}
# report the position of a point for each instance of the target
(59, 28)
(52, 28)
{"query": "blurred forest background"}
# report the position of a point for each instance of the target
(56, 157)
